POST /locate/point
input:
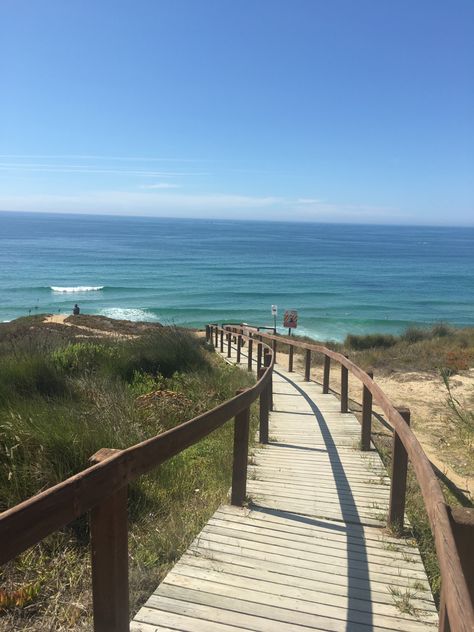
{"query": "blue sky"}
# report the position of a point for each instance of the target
(316, 110)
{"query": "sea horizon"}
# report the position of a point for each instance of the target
(342, 278)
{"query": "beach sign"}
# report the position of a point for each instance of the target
(290, 319)
(274, 310)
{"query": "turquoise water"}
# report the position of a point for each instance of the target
(341, 278)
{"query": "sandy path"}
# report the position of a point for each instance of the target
(60, 319)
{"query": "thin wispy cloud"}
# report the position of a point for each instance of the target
(309, 201)
(160, 185)
(91, 169)
(100, 157)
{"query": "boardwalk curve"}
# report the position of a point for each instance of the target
(310, 552)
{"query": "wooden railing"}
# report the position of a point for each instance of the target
(102, 490)
(452, 528)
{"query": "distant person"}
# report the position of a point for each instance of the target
(76, 311)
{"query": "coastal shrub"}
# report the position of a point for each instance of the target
(455, 361)
(163, 352)
(369, 341)
(47, 438)
(83, 356)
(27, 375)
(441, 330)
(462, 413)
(414, 334)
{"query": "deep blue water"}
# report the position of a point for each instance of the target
(341, 278)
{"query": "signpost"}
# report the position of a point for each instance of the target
(274, 314)
(290, 320)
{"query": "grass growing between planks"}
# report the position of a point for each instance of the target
(62, 400)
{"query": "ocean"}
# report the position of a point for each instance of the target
(341, 278)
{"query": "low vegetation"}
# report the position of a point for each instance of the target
(62, 398)
(439, 348)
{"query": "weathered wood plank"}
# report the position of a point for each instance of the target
(309, 554)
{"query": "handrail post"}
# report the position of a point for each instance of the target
(109, 554)
(326, 373)
(263, 426)
(239, 345)
(274, 347)
(216, 332)
(259, 355)
(267, 360)
(366, 428)
(344, 389)
(399, 477)
(462, 525)
(222, 341)
(307, 365)
(290, 359)
(241, 453)
(249, 354)
(229, 342)
(208, 333)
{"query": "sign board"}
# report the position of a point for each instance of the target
(290, 319)
(274, 310)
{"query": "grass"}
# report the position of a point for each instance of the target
(403, 600)
(462, 414)
(415, 510)
(62, 399)
(438, 348)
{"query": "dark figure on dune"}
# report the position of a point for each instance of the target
(76, 311)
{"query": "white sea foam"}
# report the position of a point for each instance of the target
(78, 288)
(128, 313)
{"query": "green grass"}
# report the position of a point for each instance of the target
(64, 400)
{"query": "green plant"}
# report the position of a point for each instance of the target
(92, 397)
(369, 341)
(414, 334)
(462, 417)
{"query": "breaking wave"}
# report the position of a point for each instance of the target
(77, 288)
(128, 313)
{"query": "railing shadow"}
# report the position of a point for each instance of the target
(357, 559)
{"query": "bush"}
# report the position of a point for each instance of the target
(80, 357)
(161, 353)
(30, 375)
(414, 334)
(370, 341)
(441, 330)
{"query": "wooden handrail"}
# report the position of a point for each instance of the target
(455, 589)
(104, 484)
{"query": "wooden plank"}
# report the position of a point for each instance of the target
(362, 599)
(271, 617)
(310, 553)
(265, 594)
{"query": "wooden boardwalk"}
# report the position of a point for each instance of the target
(310, 552)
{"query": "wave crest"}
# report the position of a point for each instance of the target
(77, 288)
(129, 313)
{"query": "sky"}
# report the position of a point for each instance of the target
(309, 110)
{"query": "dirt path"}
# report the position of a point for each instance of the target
(60, 319)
